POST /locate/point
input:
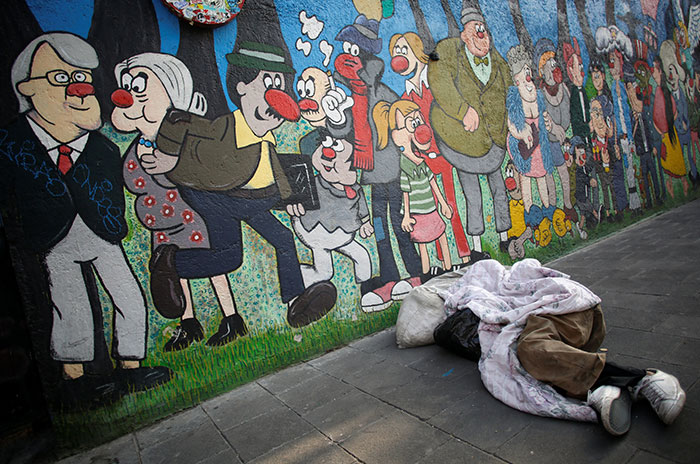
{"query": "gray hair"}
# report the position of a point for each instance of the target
(174, 76)
(70, 48)
(518, 57)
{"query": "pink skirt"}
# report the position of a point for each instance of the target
(428, 227)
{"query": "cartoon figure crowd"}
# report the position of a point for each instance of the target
(561, 149)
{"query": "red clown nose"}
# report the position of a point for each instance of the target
(282, 104)
(80, 90)
(399, 64)
(328, 153)
(423, 134)
(122, 99)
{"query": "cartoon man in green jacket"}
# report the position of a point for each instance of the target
(469, 83)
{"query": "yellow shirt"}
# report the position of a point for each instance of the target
(263, 176)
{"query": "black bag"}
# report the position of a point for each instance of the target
(459, 333)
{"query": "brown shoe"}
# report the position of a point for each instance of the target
(168, 297)
(313, 304)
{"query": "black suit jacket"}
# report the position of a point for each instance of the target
(39, 204)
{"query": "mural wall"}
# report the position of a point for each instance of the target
(190, 206)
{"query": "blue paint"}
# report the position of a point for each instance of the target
(169, 27)
(68, 15)
(448, 372)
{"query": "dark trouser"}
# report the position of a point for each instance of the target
(618, 170)
(605, 182)
(223, 214)
(648, 168)
(562, 350)
(386, 201)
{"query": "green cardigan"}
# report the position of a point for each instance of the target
(455, 88)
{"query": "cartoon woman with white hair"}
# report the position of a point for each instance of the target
(149, 85)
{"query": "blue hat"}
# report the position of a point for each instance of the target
(363, 32)
(576, 141)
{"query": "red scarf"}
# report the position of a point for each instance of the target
(363, 155)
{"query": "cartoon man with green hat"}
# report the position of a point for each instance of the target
(228, 171)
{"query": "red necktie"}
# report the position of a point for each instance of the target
(65, 162)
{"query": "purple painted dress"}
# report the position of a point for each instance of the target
(160, 208)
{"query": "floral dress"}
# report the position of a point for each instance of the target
(160, 208)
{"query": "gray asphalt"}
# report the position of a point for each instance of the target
(370, 402)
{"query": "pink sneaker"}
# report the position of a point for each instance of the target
(403, 287)
(379, 299)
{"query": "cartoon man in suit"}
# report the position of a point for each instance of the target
(62, 198)
(469, 83)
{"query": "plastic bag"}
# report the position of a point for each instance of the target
(459, 333)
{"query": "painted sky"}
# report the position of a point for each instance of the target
(539, 17)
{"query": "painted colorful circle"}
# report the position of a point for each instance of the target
(206, 12)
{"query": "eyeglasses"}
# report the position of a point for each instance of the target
(61, 78)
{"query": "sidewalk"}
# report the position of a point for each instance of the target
(373, 403)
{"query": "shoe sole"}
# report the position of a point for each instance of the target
(616, 416)
(675, 411)
(377, 307)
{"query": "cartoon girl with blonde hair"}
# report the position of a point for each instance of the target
(403, 122)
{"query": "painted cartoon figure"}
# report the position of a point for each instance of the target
(639, 95)
(62, 181)
(228, 171)
(408, 59)
(359, 69)
(528, 123)
(342, 214)
(149, 85)
(469, 84)
(675, 78)
(404, 123)
(326, 107)
(665, 113)
(579, 102)
(602, 131)
(520, 231)
(557, 98)
(586, 186)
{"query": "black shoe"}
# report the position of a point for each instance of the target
(313, 304)
(142, 378)
(188, 332)
(231, 327)
(477, 256)
(168, 297)
(89, 391)
(434, 271)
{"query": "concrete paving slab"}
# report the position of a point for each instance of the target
(638, 319)
(263, 433)
(540, 443)
(680, 325)
(312, 448)
(378, 379)
(643, 457)
(639, 343)
(240, 405)
(225, 457)
(459, 452)
(482, 421)
(173, 426)
(288, 378)
(686, 353)
(398, 438)
(319, 391)
(379, 341)
(676, 442)
(349, 414)
(123, 450)
(200, 443)
(345, 362)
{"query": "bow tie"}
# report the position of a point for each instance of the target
(484, 61)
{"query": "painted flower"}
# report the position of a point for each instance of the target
(149, 201)
(161, 237)
(171, 195)
(187, 216)
(131, 165)
(139, 182)
(167, 210)
(196, 237)
(150, 220)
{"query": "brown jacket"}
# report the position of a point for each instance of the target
(455, 88)
(209, 156)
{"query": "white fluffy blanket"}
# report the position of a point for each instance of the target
(503, 298)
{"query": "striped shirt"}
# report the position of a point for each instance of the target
(415, 179)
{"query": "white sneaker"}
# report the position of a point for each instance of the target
(664, 393)
(614, 408)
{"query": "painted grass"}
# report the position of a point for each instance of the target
(203, 372)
